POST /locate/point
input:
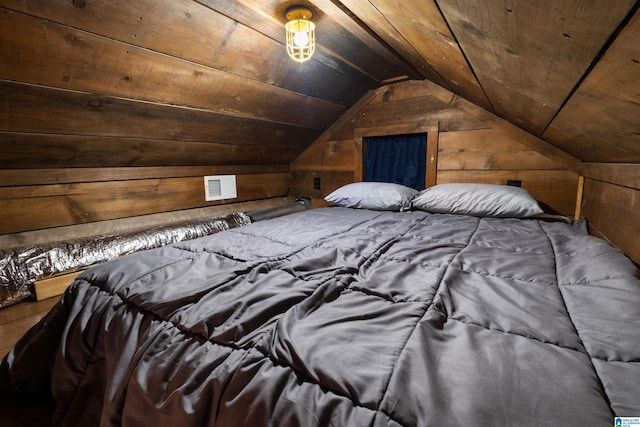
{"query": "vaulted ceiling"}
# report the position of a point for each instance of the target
(565, 70)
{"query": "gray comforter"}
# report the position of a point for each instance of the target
(347, 318)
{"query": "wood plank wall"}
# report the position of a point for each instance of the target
(611, 203)
(49, 198)
(103, 120)
(473, 146)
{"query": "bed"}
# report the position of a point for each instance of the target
(347, 316)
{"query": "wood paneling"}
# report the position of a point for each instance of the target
(613, 211)
(473, 145)
(212, 34)
(29, 108)
(302, 184)
(345, 123)
(600, 122)
(487, 149)
(494, 156)
(89, 63)
(556, 189)
(610, 202)
(625, 174)
(74, 203)
(18, 177)
(422, 112)
(375, 20)
(526, 61)
(119, 226)
(431, 37)
(37, 151)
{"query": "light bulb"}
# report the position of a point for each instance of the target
(301, 39)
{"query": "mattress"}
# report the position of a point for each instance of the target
(347, 317)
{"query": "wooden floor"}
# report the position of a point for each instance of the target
(15, 320)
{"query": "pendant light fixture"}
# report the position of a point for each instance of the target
(301, 33)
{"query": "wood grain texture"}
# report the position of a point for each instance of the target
(86, 62)
(487, 149)
(75, 203)
(311, 153)
(21, 177)
(336, 52)
(53, 286)
(554, 188)
(375, 20)
(337, 27)
(41, 151)
(199, 33)
(578, 213)
(330, 180)
(527, 60)
(431, 37)
(600, 122)
(421, 112)
(473, 145)
(45, 110)
(132, 224)
(423, 102)
(625, 174)
(612, 209)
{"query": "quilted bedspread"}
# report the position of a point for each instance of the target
(347, 317)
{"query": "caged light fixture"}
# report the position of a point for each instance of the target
(301, 33)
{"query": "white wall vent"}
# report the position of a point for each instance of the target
(218, 187)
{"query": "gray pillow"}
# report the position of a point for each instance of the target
(483, 200)
(382, 196)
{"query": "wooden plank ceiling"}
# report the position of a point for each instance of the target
(208, 82)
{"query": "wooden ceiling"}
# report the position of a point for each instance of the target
(214, 73)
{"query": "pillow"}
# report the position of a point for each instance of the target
(484, 200)
(382, 196)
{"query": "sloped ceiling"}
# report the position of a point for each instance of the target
(567, 71)
(216, 72)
